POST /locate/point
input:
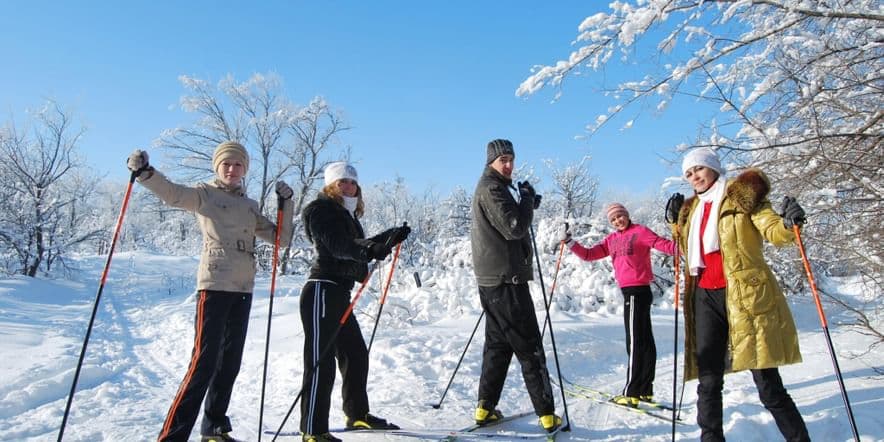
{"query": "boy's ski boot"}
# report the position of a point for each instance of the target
(324, 437)
(220, 437)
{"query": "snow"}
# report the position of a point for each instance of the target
(142, 338)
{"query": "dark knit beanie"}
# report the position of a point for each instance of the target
(499, 147)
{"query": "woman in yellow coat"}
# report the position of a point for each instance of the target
(736, 317)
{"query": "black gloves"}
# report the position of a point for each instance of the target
(283, 191)
(792, 213)
(526, 190)
(673, 206)
(399, 234)
(138, 161)
(381, 245)
(379, 251)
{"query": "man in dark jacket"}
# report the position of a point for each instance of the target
(502, 255)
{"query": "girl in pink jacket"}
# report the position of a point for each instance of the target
(630, 250)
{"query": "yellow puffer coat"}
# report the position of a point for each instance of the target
(762, 331)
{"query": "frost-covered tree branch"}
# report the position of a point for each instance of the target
(798, 89)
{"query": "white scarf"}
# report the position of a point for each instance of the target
(350, 203)
(714, 195)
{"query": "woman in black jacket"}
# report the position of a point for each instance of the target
(342, 256)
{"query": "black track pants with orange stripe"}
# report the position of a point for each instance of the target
(221, 323)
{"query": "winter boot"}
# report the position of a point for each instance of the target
(486, 413)
(324, 437)
(550, 422)
(627, 401)
(646, 398)
(220, 437)
(369, 422)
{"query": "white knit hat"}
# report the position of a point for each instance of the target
(701, 156)
(338, 171)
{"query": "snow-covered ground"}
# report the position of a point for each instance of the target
(142, 338)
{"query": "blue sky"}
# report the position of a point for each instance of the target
(425, 85)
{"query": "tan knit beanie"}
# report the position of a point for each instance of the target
(230, 149)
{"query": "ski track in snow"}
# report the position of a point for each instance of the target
(141, 342)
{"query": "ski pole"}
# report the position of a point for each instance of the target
(279, 206)
(552, 289)
(552, 336)
(675, 410)
(439, 404)
(325, 352)
(824, 323)
(107, 264)
(377, 319)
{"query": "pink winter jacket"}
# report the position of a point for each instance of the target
(630, 251)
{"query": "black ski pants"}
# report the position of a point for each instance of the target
(221, 323)
(323, 303)
(640, 346)
(710, 313)
(511, 328)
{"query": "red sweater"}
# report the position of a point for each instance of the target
(711, 277)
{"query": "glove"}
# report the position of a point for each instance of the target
(536, 201)
(399, 234)
(283, 190)
(673, 206)
(379, 251)
(792, 213)
(565, 235)
(526, 191)
(138, 161)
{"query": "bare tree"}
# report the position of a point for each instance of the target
(575, 188)
(798, 88)
(283, 138)
(40, 213)
(314, 131)
(268, 114)
(254, 113)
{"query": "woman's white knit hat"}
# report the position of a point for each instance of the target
(340, 170)
(701, 156)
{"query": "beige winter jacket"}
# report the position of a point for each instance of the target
(229, 221)
(762, 332)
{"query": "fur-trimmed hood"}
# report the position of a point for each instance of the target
(747, 191)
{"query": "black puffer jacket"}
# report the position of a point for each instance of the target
(342, 251)
(499, 233)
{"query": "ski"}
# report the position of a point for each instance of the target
(438, 434)
(469, 432)
(604, 399)
(653, 404)
(474, 427)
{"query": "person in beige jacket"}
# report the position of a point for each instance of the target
(229, 221)
(736, 317)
